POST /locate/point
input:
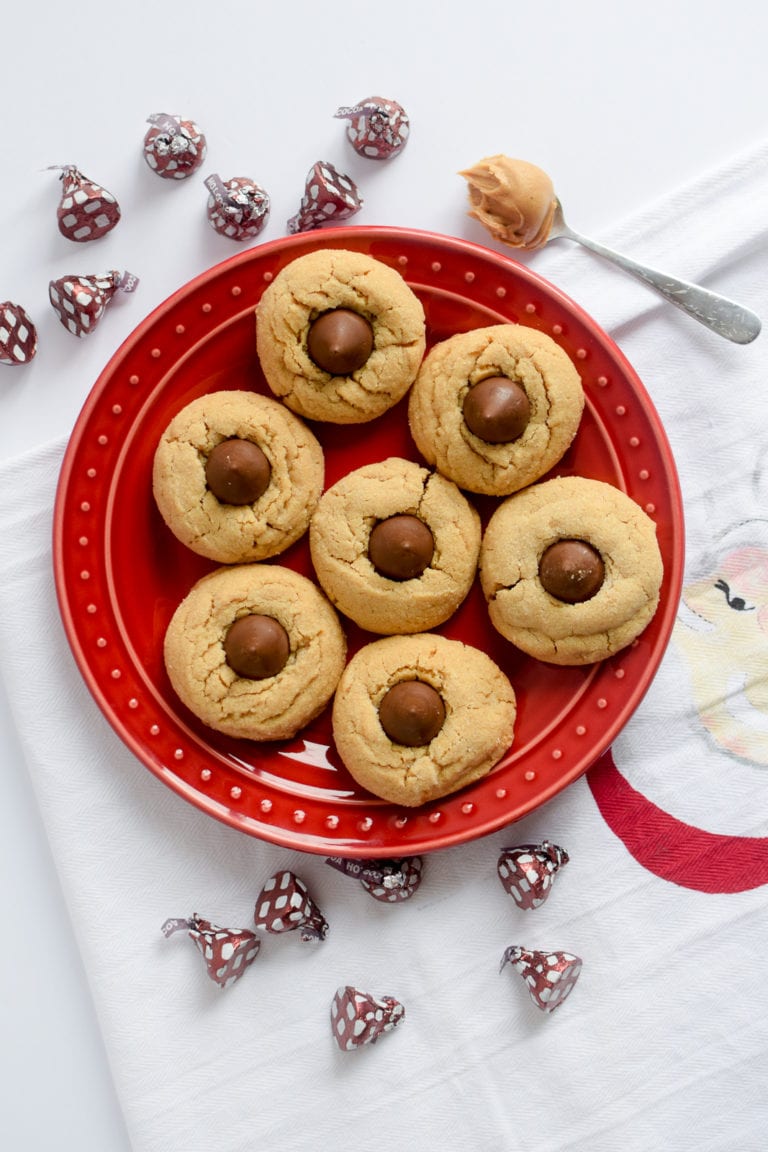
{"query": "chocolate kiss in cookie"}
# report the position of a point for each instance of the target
(412, 713)
(340, 341)
(256, 646)
(497, 409)
(571, 570)
(401, 547)
(237, 471)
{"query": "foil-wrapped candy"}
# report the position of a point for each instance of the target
(549, 976)
(284, 905)
(527, 872)
(329, 196)
(391, 880)
(378, 128)
(237, 208)
(358, 1018)
(86, 210)
(18, 335)
(227, 952)
(173, 148)
(80, 301)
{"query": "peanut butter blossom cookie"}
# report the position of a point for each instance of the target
(236, 476)
(395, 546)
(417, 717)
(340, 336)
(495, 408)
(571, 570)
(255, 651)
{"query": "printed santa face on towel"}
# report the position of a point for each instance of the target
(723, 633)
(686, 798)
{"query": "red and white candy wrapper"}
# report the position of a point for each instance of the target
(358, 1019)
(18, 335)
(528, 871)
(549, 976)
(86, 210)
(173, 148)
(390, 881)
(378, 128)
(329, 196)
(79, 301)
(237, 208)
(284, 905)
(227, 951)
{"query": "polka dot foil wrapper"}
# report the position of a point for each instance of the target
(284, 905)
(80, 301)
(86, 211)
(389, 881)
(378, 129)
(227, 952)
(528, 872)
(237, 208)
(174, 148)
(329, 196)
(550, 977)
(18, 335)
(358, 1018)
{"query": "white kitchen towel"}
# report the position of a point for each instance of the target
(664, 1041)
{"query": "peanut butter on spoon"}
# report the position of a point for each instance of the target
(513, 199)
(516, 202)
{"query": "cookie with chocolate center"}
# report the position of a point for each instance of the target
(571, 570)
(495, 408)
(395, 546)
(255, 651)
(236, 476)
(418, 717)
(340, 336)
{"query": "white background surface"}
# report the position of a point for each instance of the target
(620, 105)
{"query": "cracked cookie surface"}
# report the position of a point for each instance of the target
(320, 282)
(570, 508)
(480, 711)
(229, 533)
(436, 407)
(339, 537)
(274, 708)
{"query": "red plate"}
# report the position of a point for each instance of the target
(120, 573)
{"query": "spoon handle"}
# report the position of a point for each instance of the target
(717, 313)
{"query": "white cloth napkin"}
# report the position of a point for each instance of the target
(664, 1041)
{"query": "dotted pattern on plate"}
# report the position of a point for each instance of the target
(297, 795)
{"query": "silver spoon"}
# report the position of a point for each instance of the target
(718, 313)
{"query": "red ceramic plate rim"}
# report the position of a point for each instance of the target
(613, 689)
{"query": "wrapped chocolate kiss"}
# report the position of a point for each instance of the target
(378, 128)
(329, 196)
(549, 976)
(284, 905)
(528, 871)
(18, 335)
(79, 301)
(227, 951)
(358, 1019)
(237, 208)
(173, 148)
(86, 210)
(391, 881)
